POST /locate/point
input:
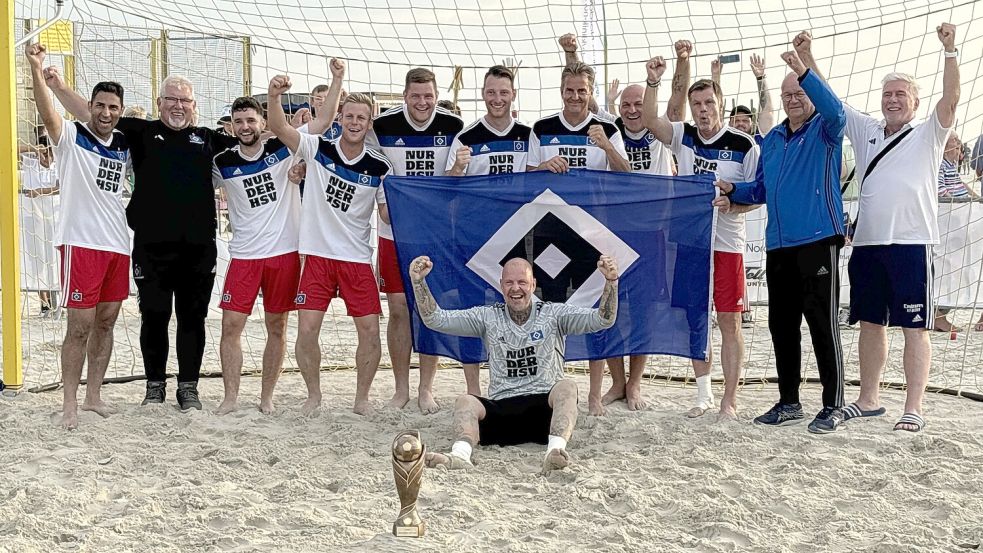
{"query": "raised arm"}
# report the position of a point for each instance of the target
(803, 47)
(569, 44)
(766, 113)
(827, 104)
(716, 69)
(676, 109)
(611, 98)
(660, 126)
(277, 118)
(466, 322)
(945, 110)
(326, 115)
(73, 102)
(581, 320)
(46, 109)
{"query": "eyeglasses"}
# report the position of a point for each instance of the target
(800, 95)
(182, 101)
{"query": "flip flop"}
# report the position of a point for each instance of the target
(853, 411)
(912, 419)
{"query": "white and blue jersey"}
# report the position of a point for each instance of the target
(493, 152)
(553, 136)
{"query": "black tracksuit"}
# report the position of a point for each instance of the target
(172, 214)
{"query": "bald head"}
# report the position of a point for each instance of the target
(517, 266)
(796, 103)
(518, 284)
(630, 108)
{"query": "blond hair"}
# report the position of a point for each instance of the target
(358, 98)
(578, 68)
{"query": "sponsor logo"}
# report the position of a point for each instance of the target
(917, 319)
(485, 148)
(331, 167)
(399, 142)
(872, 141)
(159, 137)
(823, 271)
(913, 307)
(555, 140)
(237, 172)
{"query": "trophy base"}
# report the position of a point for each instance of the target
(414, 531)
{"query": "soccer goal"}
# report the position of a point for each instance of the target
(232, 48)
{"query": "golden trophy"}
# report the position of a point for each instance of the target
(408, 450)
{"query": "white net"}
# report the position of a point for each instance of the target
(228, 48)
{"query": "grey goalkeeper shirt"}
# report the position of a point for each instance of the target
(526, 359)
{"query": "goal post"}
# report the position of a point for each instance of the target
(13, 370)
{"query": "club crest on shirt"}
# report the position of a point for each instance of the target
(271, 160)
(536, 335)
(440, 141)
(519, 146)
(195, 139)
(725, 154)
(227, 297)
(76, 296)
(301, 299)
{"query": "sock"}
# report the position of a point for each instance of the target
(703, 391)
(462, 449)
(555, 442)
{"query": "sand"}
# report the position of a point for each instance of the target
(156, 479)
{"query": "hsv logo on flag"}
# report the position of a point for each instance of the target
(659, 229)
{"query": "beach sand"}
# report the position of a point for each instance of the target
(156, 479)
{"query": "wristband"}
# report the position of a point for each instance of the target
(761, 78)
(610, 279)
(653, 84)
(952, 54)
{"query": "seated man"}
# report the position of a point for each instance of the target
(529, 401)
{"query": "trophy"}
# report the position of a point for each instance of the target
(408, 450)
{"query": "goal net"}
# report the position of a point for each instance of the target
(231, 48)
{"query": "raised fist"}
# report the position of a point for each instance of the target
(337, 67)
(791, 58)
(683, 49)
(947, 35)
(655, 68)
(568, 42)
(803, 42)
(420, 268)
(279, 85)
(35, 55)
(52, 78)
(608, 267)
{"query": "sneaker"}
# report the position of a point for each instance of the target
(843, 318)
(155, 392)
(747, 320)
(826, 421)
(187, 396)
(782, 414)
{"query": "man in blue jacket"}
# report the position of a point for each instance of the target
(798, 178)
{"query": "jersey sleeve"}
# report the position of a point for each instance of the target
(217, 180)
(619, 146)
(307, 147)
(578, 320)
(457, 322)
(856, 124)
(304, 129)
(68, 134)
(750, 167)
(678, 129)
(535, 156)
(372, 140)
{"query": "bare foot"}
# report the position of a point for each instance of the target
(266, 406)
(728, 412)
(943, 325)
(634, 399)
(556, 459)
(427, 404)
(310, 406)
(99, 407)
(228, 405)
(450, 462)
(69, 417)
(362, 407)
(595, 408)
(399, 400)
(613, 395)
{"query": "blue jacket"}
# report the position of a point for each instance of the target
(798, 176)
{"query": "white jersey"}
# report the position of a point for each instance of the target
(264, 206)
(91, 173)
(414, 150)
(730, 155)
(526, 359)
(646, 154)
(553, 136)
(898, 200)
(340, 194)
(493, 152)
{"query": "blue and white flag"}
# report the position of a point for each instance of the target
(659, 229)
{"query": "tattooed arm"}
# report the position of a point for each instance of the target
(581, 320)
(676, 108)
(463, 322)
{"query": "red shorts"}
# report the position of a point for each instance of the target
(276, 276)
(324, 278)
(728, 282)
(390, 281)
(90, 277)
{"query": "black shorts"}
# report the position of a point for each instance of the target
(515, 420)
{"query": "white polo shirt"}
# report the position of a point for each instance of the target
(898, 200)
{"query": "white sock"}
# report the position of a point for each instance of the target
(703, 391)
(555, 442)
(462, 449)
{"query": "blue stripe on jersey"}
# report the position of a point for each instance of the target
(500, 146)
(566, 140)
(415, 141)
(642, 143)
(257, 166)
(86, 143)
(347, 174)
(713, 153)
(334, 131)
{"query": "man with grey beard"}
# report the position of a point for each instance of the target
(172, 214)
